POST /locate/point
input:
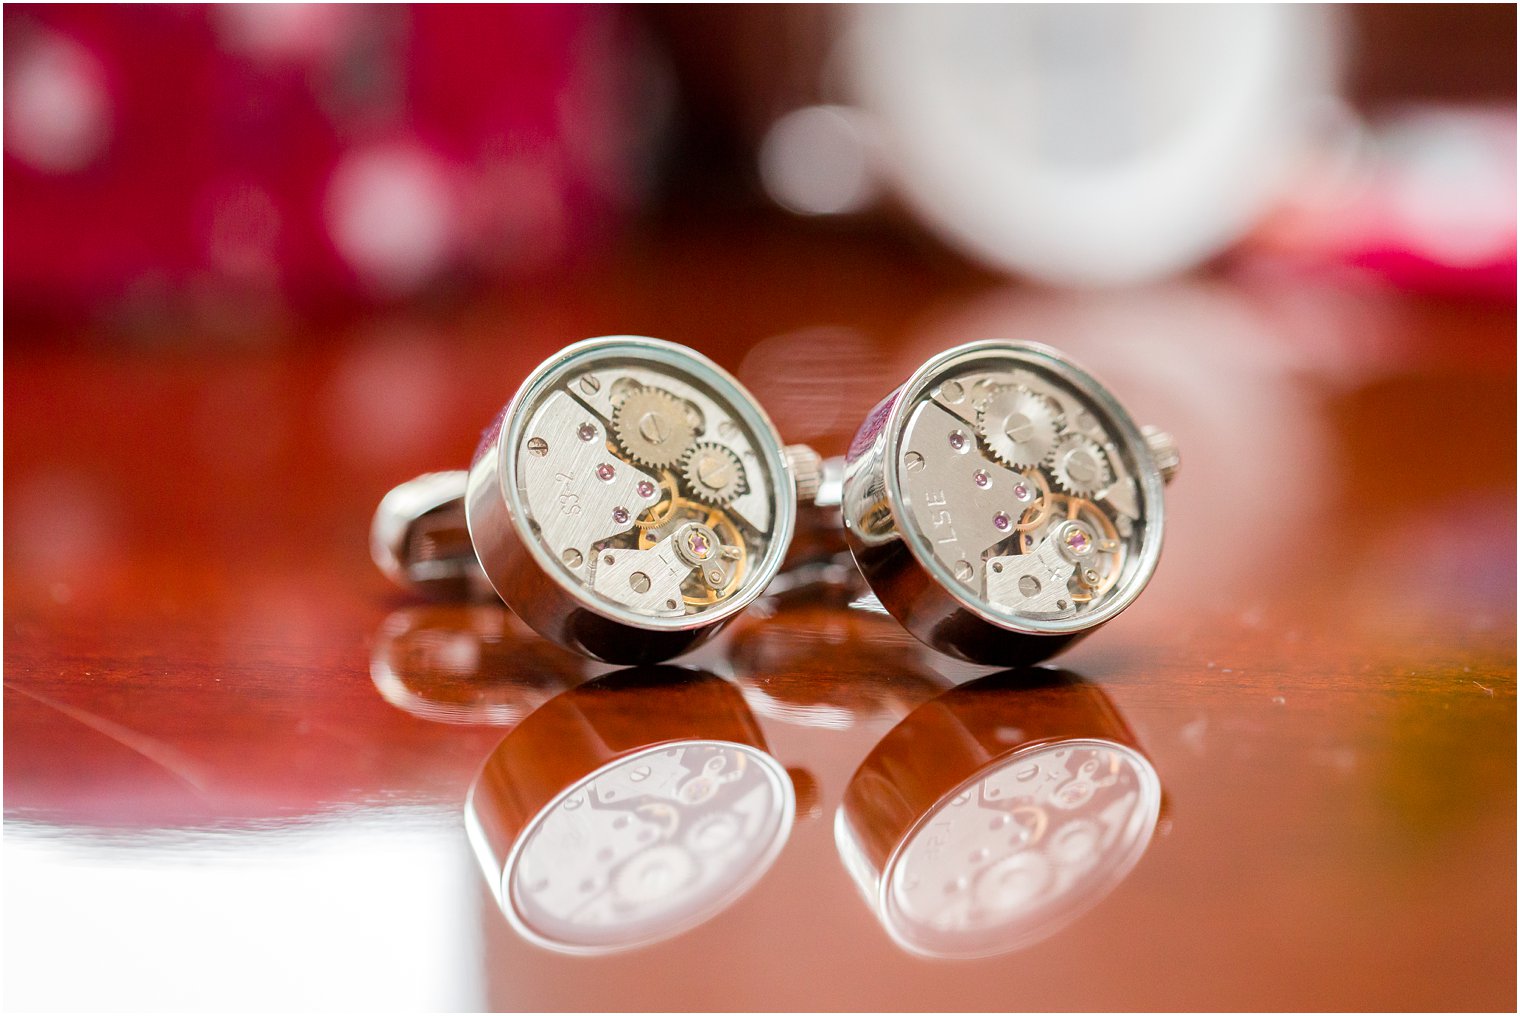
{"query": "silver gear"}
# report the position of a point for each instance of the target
(1078, 465)
(714, 473)
(651, 426)
(1017, 425)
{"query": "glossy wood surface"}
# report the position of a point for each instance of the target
(236, 760)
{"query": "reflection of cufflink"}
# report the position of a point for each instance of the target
(627, 503)
(467, 663)
(1002, 504)
(997, 813)
(628, 810)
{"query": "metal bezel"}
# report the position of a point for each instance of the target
(1043, 357)
(708, 374)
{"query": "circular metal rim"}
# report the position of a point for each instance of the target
(1151, 486)
(1117, 874)
(754, 872)
(669, 354)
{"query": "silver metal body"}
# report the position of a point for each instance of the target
(627, 503)
(949, 495)
(419, 538)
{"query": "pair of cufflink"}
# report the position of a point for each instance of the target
(633, 497)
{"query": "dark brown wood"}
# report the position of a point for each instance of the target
(1322, 671)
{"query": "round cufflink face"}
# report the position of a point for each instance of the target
(1017, 484)
(643, 481)
(649, 845)
(1026, 487)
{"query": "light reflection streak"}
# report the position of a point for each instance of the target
(355, 912)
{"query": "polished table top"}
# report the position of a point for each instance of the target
(238, 764)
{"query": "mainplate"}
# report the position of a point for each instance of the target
(647, 486)
(1022, 488)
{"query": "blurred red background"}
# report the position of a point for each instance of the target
(245, 166)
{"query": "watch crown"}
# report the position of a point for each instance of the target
(1164, 452)
(807, 471)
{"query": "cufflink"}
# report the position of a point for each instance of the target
(628, 502)
(1001, 503)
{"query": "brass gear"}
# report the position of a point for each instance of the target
(695, 592)
(652, 427)
(1078, 465)
(714, 473)
(1017, 426)
(1109, 559)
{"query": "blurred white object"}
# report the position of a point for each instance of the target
(1082, 145)
(817, 161)
(58, 114)
(1425, 200)
(1452, 184)
(390, 212)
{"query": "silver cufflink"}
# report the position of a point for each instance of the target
(1001, 503)
(630, 500)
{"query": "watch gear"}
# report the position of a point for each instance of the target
(714, 473)
(1017, 425)
(652, 427)
(1098, 567)
(1078, 465)
(726, 559)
